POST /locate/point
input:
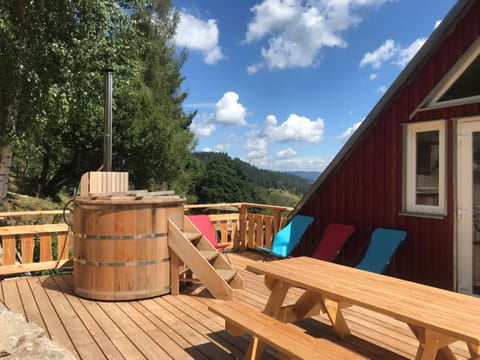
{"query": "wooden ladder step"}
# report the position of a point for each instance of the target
(226, 274)
(192, 236)
(209, 255)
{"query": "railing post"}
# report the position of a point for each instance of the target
(277, 218)
(243, 227)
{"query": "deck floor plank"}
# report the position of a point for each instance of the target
(192, 331)
(118, 339)
(217, 327)
(12, 299)
(73, 324)
(124, 345)
(182, 327)
(213, 330)
(98, 334)
(53, 323)
(32, 312)
(147, 347)
(159, 318)
(143, 321)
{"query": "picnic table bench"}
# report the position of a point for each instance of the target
(436, 317)
(288, 339)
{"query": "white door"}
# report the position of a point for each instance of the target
(468, 206)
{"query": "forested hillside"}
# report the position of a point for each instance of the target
(234, 176)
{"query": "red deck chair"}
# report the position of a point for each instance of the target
(332, 241)
(204, 224)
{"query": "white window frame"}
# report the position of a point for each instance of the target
(432, 99)
(410, 175)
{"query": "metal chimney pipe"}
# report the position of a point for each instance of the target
(107, 137)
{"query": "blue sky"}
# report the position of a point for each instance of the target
(282, 84)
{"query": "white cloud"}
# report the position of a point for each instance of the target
(199, 35)
(438, 22)
(202, 125)
(252, 69)
(296, 31)
(286, 154)
(222, 147)
(382, 89)
(376, 58)
(405, 55)
(349, 132)
(373, 76)
(256, 144)
(292, 164)
(295, 128)
(392, 52)
(229, 111)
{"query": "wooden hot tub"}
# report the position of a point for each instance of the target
(120, 245)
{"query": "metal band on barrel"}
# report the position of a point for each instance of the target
(119, 294)
(121, 264)
(127, 207)
(119, 237)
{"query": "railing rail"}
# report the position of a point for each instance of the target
(246, 227)
(26, 247)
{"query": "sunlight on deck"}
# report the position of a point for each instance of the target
(181, 327)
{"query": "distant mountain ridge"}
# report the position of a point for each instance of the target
(295, 182)
(309, 175)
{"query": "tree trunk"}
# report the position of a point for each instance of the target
(5, 163)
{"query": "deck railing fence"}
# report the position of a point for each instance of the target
(40, 240)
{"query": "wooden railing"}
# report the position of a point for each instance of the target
(27, 246)
(242, 226)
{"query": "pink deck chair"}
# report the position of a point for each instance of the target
(204, 224)
(332, 241)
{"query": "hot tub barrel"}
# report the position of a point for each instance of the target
(120, 246)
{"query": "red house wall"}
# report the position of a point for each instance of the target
(366, 189)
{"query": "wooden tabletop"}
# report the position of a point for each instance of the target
(452, 314)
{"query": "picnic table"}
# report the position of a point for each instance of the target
(436, 317)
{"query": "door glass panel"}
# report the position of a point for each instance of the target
(476, 212)
(427, 181)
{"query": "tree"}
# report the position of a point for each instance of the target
(51, 99)
(160, 127)
(223, 181)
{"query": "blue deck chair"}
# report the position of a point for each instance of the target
(288, 237)
(383, 245)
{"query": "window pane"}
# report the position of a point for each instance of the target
(467, 85)
(427, 169)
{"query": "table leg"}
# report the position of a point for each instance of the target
(253, 350)
(308, 305)
(273, 307)
(474, 351)
(335, 315)
(433, 345)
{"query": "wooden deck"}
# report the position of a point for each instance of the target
(181, 327)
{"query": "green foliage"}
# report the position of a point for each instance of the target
(224, 181)
(51, 98)
(231, 180)
(263, 178)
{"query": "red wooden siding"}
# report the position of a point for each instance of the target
(366, 188)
